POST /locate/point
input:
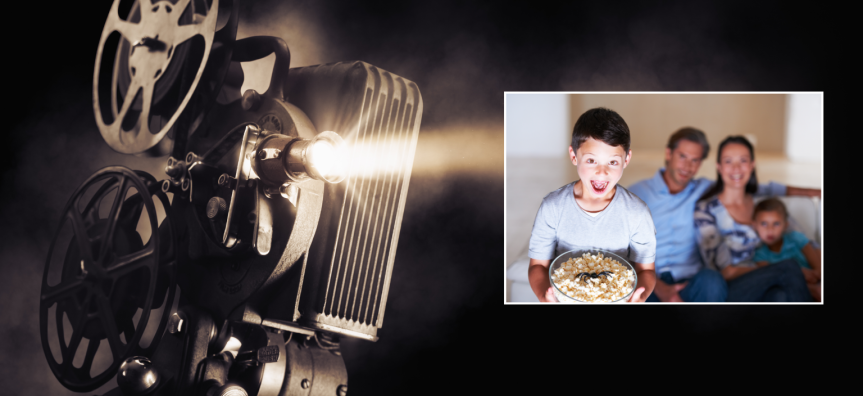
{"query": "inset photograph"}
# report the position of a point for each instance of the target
(663, 197)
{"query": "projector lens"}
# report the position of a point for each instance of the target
(324, 159)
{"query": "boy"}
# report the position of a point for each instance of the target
(594, 211)
(770, 220)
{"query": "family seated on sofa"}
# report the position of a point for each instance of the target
(715, 241)
(715, 260)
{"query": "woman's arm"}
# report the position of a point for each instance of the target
(813, 256)
(537, 275)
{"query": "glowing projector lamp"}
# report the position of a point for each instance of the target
(320, 158)
(282, 159)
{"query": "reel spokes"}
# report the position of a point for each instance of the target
(112, 275)
(149, 64)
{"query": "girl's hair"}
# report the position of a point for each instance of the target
(751, 186)
(771, 205)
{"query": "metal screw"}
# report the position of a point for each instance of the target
(173, 168)
(342, 391)
(225, 180)
(305, 384)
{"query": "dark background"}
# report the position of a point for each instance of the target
(445, 319)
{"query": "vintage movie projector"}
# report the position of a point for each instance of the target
(272, 235)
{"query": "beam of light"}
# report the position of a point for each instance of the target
(373, 160)
(444, 152)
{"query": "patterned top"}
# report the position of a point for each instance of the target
(722, 240)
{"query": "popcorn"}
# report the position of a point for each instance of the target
(605, 288)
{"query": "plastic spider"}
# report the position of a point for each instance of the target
(584, 275)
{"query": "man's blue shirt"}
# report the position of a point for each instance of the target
(676, 246)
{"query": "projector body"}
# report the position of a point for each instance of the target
(272, 235)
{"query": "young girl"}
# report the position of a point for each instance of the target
(770, 220)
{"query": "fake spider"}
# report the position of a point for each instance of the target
(585, 275)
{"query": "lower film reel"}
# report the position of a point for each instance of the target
(109, 280)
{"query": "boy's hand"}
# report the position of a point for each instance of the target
(638, 295)
(549, 296)
(762, 264)
(810, 275)
(646, 281)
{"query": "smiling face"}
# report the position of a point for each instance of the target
(769, 225)
(682, 163)
(600, 166)
(735, 165)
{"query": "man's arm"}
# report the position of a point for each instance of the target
(646, 281)
(803, 192)
(774, 189)
(667, 292)
(537, 275)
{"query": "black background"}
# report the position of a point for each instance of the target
(445, 319)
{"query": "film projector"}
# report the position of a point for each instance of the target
(271, 236)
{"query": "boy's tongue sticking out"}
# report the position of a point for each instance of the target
(599, 186)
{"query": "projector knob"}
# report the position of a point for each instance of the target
(137, 376)
(227, 390)
(216, 207)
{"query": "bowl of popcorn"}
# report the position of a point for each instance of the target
(587, 275)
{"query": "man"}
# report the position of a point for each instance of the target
(671, 195)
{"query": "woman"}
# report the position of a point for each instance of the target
(726, 239)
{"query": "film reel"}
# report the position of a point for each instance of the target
(110, 279)
(162, 51)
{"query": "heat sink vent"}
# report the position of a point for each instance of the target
(347, 276)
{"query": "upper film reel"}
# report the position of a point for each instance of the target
(162, 51)
(109, 280)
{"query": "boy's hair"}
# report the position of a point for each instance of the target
(691, 134)
(770, 205)
(601, 124)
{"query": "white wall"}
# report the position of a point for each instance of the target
(537, 125)
(804, 127)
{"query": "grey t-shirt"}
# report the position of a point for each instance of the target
(624, 227)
